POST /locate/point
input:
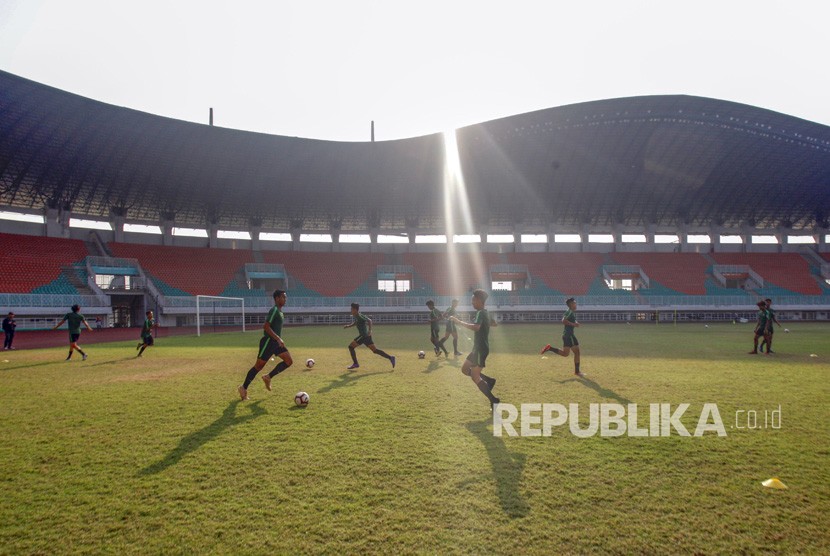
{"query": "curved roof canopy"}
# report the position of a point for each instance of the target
(664, 160)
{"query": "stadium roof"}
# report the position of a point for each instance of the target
(664, 160)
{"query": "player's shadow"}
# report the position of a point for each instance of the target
(507, 469)
(196, 440)
(44, 363)
(348, 379)
(113, 361)
(602, 391)
(436, 364)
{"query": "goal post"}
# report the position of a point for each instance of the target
(214, 302)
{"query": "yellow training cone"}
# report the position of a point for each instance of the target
(773, 483)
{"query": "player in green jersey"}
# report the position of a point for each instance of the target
(270, 344)
(146, 333)
(762, 327)
(74, 320)
(435, 318)
(451, 329)
(773, 321)
(569, 340)
(364, 330)
(477, 358)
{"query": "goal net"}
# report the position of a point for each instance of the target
(215, 313)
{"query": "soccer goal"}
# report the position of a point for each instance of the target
(215, 311)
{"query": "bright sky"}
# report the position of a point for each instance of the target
(325, 69)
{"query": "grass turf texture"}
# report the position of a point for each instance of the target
(158, 455)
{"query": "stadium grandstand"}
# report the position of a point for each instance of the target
(656, 207)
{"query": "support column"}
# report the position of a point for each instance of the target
(117, 218)
(166, 223)
(650, 232)
(746, 232)
(714, 235)
(57, 221)
(213, 238)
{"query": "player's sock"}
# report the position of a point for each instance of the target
(68, 357)
(455, 345)
(383, 354)
(490, 380)
(354, 355)
(278, 369)
(485, 389)
(557, 351)
(81, 352)
(250, 378)
(142, 350)
(576, 366)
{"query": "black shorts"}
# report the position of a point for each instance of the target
(74, 338)
(148, 339)
(478, 358)
(434, 331)
(569, 340)
(269, 347)
(364, 341)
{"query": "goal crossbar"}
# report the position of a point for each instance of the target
(199, 299)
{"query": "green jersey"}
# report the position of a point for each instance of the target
(481, 341)
(434, 318)
(275, 319)
(147, 329)
(74, 321)
(763, 320)
(450, 313)
(569, 316)
(362, 323)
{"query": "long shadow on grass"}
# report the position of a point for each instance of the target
(604, 392)
(43, 364)
(113, 361)
(436, 364)
(348, 379)
(196, 440)
(507, 469)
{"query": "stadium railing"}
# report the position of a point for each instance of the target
(499, 301)
(51, 300)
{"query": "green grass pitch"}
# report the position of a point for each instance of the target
(158, 456)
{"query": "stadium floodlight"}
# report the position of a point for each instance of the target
(223, 302)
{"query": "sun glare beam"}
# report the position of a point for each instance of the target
(459, 222)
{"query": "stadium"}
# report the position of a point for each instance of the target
(661, 212)
(634, 206)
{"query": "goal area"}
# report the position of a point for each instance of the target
(216, 313)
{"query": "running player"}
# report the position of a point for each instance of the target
(569, 340)
(74, 320)
(364, 330)
(434, 328)
(451, 330)
(146, 333)
(476, 360)
(270, 344)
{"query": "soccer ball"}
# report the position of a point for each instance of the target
(421, 355)
(301, 399)
(787, 330)
(309, 362)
